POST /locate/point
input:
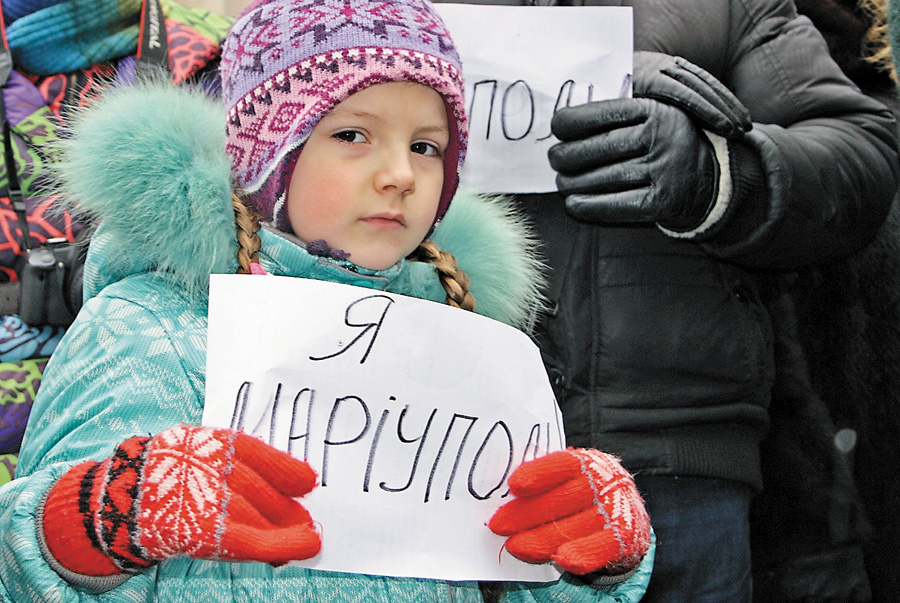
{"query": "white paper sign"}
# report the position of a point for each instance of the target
(521, 64)
(413, 413)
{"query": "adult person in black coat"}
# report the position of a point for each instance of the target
(745, 153)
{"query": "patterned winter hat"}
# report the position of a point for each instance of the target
(287, 63)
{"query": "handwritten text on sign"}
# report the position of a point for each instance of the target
(523, 63)
(413, 414)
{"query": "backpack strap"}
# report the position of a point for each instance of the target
(153, 44)
(9, 292)
(14, 191)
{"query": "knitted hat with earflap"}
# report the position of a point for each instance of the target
(288, 63)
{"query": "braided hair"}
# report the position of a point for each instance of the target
(247, 224)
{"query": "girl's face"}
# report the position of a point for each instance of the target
(369, 178)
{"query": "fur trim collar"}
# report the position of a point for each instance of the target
(149, 163)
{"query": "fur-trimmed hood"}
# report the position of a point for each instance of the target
(149, 163)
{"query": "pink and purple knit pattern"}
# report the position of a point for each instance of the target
(287, 63)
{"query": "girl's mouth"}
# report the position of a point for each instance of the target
(386, 220)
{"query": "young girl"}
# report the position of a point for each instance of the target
(345, 131)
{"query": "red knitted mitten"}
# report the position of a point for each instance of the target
(577, 507)
(204, 493)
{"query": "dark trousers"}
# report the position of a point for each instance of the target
(702, 539)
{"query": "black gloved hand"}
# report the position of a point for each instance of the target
(634, 161)
(648, 160)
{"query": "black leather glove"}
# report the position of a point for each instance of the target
(657, 158)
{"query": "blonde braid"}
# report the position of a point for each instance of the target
(454, 280)
(247, 224)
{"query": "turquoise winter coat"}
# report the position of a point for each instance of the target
(149, 162)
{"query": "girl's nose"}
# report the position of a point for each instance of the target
(395, 172)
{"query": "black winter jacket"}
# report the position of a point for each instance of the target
(660, 350)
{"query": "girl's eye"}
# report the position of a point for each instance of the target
(425, 148)
(349, 136)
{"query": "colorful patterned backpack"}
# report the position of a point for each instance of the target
(57, 57)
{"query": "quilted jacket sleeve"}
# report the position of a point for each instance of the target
(827, 151)
(116, 358)
(573, 589)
